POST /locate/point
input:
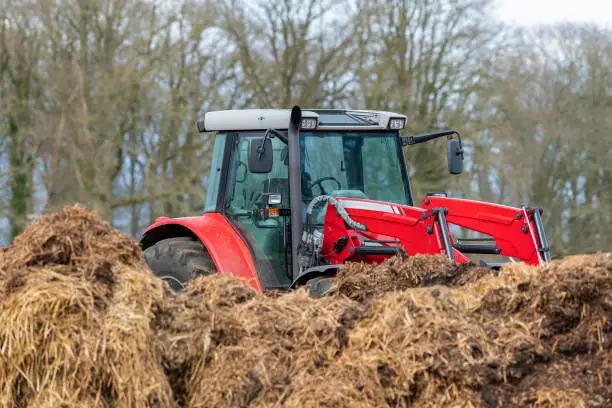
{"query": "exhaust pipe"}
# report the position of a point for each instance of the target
(295, 186)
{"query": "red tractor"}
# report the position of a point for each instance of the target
(293, 194)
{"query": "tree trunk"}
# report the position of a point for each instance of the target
(20, 169)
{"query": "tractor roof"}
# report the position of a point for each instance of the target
(312, 119)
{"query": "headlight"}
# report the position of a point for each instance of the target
(309, 123)
(396, 123)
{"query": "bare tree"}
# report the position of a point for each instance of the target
(548, 133)
(195, 74)
(20, 43)
(427, 59)
(291, 51)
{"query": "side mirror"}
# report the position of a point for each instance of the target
(260, 155)
(454, 154)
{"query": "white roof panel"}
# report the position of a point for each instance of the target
(261, 119)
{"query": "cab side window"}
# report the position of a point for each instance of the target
(246, 188)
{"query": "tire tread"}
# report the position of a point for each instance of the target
(182, 258)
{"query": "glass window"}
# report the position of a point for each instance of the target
(336, 119)
(353, 164)
(215, 173)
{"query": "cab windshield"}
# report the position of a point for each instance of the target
(353, 164)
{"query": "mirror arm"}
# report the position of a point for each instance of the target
(454, 147)
(278, 134)
(261, 149)
(426, 137)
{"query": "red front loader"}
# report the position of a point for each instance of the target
(293, 194)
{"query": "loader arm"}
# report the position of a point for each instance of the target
(518, 232)
(388, 227)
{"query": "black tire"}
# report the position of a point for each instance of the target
(178, 260)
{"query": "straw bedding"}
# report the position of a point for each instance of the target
(83, 323)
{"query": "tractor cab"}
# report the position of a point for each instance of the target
(342, 153)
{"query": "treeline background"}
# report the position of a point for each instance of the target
(99, 98)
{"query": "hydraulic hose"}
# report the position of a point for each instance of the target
(317, 201)
(309, 248)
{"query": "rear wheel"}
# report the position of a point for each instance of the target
(178, 260)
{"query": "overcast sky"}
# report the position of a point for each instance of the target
(526, 12)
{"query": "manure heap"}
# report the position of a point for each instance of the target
(83, 323)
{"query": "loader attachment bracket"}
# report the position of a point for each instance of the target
(440, 214)
(543, 249)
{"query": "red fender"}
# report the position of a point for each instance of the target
(226, 248)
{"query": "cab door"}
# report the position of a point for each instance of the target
(243, 202)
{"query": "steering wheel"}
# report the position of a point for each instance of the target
(322, 179)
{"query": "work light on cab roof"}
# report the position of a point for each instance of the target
(293, 194)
